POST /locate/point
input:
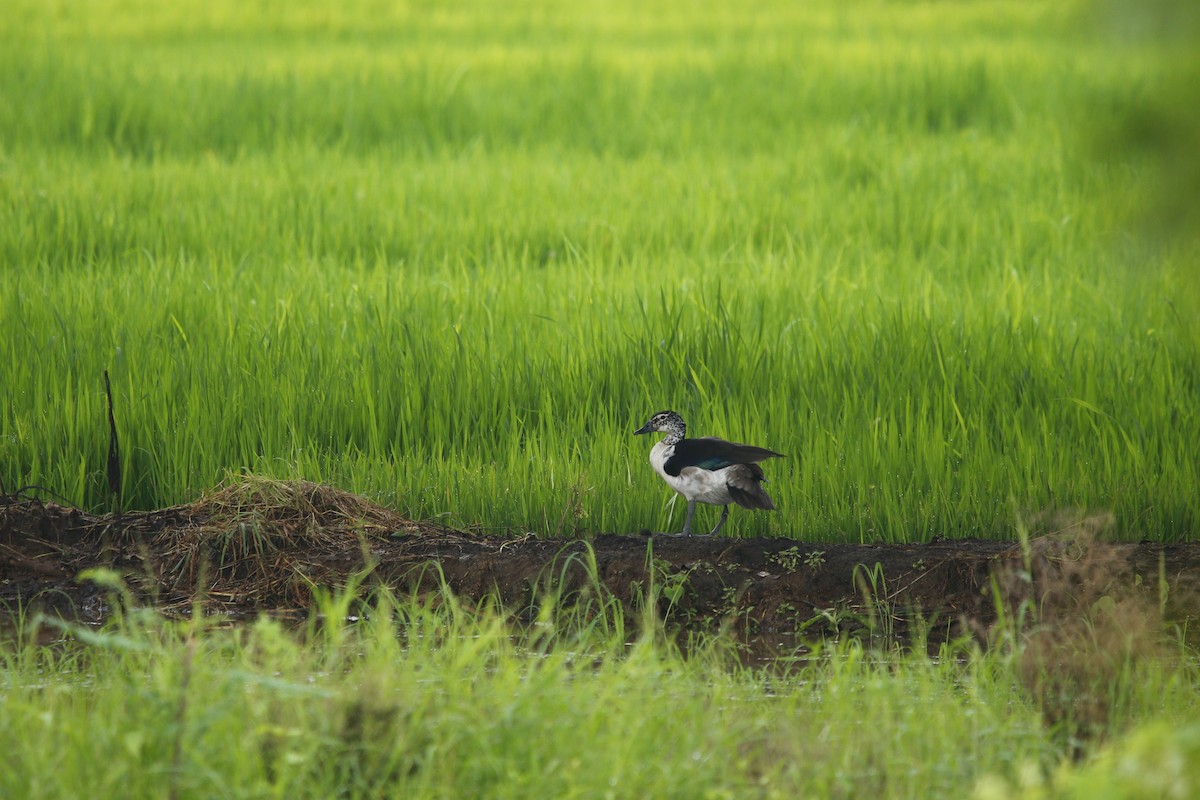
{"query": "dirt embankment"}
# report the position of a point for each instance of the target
(261, 545)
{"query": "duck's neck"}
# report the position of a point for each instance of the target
(674, 436)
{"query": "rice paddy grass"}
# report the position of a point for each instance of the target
(451, 256)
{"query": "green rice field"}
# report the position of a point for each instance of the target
(450, 257)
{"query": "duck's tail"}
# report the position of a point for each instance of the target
(745, 487)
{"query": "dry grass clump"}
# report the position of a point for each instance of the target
(1085, 622)
(261, 537)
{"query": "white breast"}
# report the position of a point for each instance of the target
(694, 483)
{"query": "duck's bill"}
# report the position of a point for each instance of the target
(644, 429)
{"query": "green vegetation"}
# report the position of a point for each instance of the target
(424, 698)
(1157, 760)
(451, 257)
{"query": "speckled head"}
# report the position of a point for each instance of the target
(667, 422)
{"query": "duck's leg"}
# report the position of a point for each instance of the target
(687, 523)
(721, 521)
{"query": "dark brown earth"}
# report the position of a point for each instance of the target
(263, 546)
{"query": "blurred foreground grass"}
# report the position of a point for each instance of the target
(427, 698)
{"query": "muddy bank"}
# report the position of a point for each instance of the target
(261, 545)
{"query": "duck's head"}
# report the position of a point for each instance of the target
(667, 422)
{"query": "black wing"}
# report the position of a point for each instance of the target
(712, 453)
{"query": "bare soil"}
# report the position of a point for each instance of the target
(264, 546)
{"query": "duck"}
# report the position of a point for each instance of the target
(707, 470)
